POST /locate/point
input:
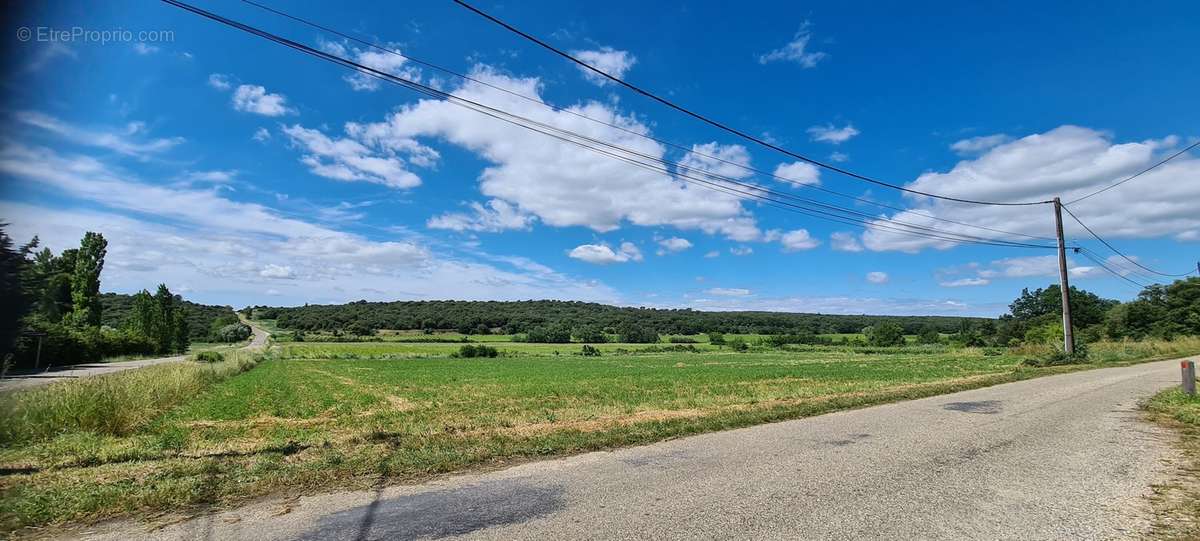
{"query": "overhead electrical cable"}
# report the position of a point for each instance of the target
(586, 142)
(794, 182)
(727, 128)
(1118, 252)
(1138, 174)
(1095, 259)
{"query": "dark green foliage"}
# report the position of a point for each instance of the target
(234, 332)
(1043, 304)
(716, 338)
(555, 334)
(929, 335)
(14, 302)
(359, 328)
(469, 351)
(1057, 357)
(682, 340)
(1160, 311)
(591, 334)
(738, 344)
(518, 317)
(209, 357)
(634, 332)
(780, 340)
(885, 334)
(202, 320)
(589, 351)
(85, 281)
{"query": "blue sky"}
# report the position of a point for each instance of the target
(241, 172)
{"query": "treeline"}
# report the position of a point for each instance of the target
(53, 309)
(205, 322)
(518, 317)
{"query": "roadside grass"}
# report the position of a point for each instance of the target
(1176, 503)
(321, 417)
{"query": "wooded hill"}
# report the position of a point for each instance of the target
(118, 308)
(480, 317)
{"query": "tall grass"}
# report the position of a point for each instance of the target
(112, 404)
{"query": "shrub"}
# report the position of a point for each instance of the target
(469, 351)
(716, 338)
(1058, 357)
(885, 334)
(557, 334)
(208, 357)
(590, 351)
(681, 340)
(738, 344)
(234, 332)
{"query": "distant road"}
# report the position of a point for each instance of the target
(1060, 457)
(23, 380)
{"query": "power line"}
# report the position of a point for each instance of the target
(728, 128)
(1138, 174)
(678, 146)
(1118, 252)
(1095, 259)
(568, 136)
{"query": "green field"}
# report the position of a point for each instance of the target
(314, 417)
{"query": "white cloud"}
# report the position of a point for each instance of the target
(839, 157)
(222, 248)
(851, 305)
(261, 135)
(799, 173)
(602, 254)
(796, 50)
(830, 134)
(712, 253)
(214, 176)
(607, 60)
(561, 184)
(845, 241)
(498, 215)
(282, 272)
(725, 160)
(255, 99)
(965, 282)
(1069, 161)
(878, 277)
(728, 291)
(741, 250)
(673, 245)
(975, 145)
(143, 49)
(116, 140)
(797, 240)
(219, 81)
(351, 159)
(382, 61)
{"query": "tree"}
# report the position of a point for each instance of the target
(929, 335)
(633, 332)
(1041, 305)
(85, 281)
(590, 334)
(885, 334)
(716, 338)
(14, 302)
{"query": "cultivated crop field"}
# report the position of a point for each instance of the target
(322, 416)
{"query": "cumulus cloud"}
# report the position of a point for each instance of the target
(602, 254)
(796, 50)
(829, 134)
(845, 241)
(728, 291)
(219, 81)
(839, 157)
(234, 251)
(145, 49)
(255, 99)
(1068, 161)
(741, 250)
(799, 173)
(261, 135)
(383, 61)
(725, 160)
(673, 245)
(561, 184)
(965, 282)
(497, 215)
(975, 145)
(712, 253)
(358, 157)
(878, 277)
(797, 240)
(611, 61)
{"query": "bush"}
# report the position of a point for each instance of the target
(470, 351)
(208, 357)
(1058, 357)
(234, 332)
(590, 334)
(885, 334)
(681, 340)
(738, 344)
(558, 334)
(716, 338)
(590, 351)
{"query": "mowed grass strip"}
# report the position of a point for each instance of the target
(300, 424)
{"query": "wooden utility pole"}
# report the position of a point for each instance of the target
(1068, 336)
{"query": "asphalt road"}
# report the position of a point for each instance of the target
(1062, 457)
(23, 380)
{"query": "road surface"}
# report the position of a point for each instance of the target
(1061, 457)
(23, 380)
